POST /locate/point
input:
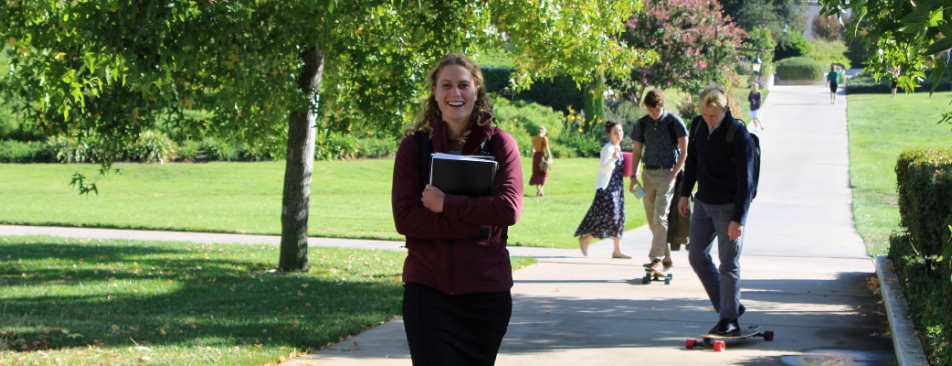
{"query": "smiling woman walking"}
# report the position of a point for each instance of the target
(457, 301)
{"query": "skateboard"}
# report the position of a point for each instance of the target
(653, 275)
(717, 342)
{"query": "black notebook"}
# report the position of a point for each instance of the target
(464, 175)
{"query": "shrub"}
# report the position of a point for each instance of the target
(335, 146)
(151, 146)
(65, 149)
(219, 149)
(529, 116)
(688, 108)
(791, 45)
(559, 92)
(924, 180)
(827, 52)
(12, 151)
(377, 148)
(579, 141)
(866, 85)
(800, 68)
(189, 150)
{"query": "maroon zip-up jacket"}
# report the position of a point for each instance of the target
(436, 257)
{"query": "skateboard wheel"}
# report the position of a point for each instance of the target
(670, 276)
(667, 281)
(690, 344)
(768, 335)
(645, 280)
(719, 346)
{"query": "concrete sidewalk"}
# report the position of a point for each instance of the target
(804, 274)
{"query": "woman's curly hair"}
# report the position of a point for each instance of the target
(431, 110)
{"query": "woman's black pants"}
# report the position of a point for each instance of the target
(454, 330)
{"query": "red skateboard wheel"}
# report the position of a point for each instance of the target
(719, 346)
(690, 344)
(768, 335)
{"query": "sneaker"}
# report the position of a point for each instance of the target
(726, 327)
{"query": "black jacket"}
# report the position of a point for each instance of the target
(720, 181)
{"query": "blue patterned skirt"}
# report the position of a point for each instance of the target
(606, 217)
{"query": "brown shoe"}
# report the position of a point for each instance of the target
(667, 264)
(656, 266)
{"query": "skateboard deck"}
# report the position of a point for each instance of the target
(654, 275)
(717, 341)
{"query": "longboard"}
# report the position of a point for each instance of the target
(717, 341)
(653, 275)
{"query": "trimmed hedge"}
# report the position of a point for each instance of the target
(886, 88)
(559, 92)
(924, 179)
(800, 68)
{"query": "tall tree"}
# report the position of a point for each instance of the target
(911, 37)
(110, 67)
(692, 39)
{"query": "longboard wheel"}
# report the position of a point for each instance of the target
(690, 344)
(768, 335)
(667, 281)
(719, 346)
(671, 276)
(645, 280)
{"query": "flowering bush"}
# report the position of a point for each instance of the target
(692, 39)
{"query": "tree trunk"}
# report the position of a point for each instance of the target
(300, 165)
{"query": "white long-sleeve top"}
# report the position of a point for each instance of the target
(606, 165)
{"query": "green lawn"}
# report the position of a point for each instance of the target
(349, 199)
(881, 127)
(117, 302)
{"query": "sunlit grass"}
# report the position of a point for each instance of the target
(349, 199)
(90, 302)
(880, 128)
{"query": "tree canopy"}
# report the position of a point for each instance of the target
(267, 70)
(910, 37)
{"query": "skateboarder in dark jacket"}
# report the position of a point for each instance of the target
(724, 175)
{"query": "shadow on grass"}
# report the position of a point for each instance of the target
(120, 294)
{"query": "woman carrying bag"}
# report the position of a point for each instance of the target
(541, 161)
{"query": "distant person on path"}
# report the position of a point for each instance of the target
(831, 82)
(457, 300)
(540, 147)
(755, 98)
(724, 175)
(606, 216)
(663, 160)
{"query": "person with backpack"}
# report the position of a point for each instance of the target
(721, 156)
(665, 141)
(457, 298)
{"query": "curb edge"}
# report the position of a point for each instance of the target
(908, 348)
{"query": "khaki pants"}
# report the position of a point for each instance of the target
(659, 190)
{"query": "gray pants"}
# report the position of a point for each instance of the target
(721, 283)
(659, 189)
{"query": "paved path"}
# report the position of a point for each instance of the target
(804, 272)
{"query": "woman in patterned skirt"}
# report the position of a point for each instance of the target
(607, 214)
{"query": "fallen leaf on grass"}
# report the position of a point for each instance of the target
(145, 359)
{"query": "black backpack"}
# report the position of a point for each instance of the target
(729, 143)
(670, 122)
(425, 149)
